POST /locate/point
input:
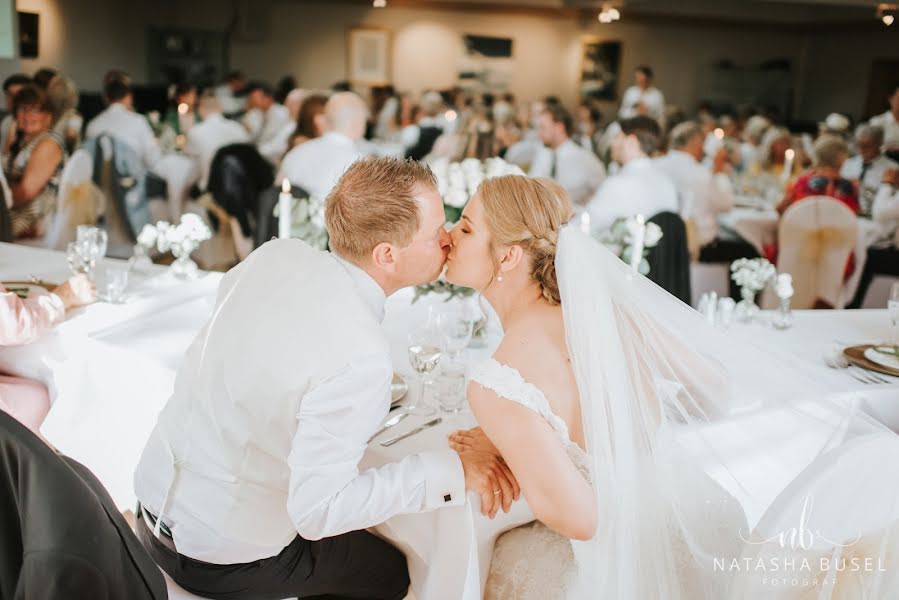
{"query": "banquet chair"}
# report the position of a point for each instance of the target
(669, 261)
(237, 175)
(5, 219)
(61, 535)
(815, 239)
(266, 221)
(837, 509)
(426, 138)
(79, 201)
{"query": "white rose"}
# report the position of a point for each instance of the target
(457, 198)
(147, 236)
(653, 235)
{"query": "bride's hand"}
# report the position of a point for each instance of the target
(472, 439)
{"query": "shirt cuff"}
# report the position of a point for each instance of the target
(444, 479)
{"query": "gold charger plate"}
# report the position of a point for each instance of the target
(856, 356)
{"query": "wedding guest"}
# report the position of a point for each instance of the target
(889, 122)
(419, 139)
(316, 165)
(182, 113)
(773, 154)
(285, 85)
(265, 121)
(11, 86)
(67, 121)
(703, 193)
(23, 321)
(210, 135)
(643, 98)
(311, 121)
(835, 124)
(121, 122)
(751, 149)
(33, 164)
(588, 118)
(579, 171)
(43, 76)
(883, 257)
(824, 179)
(640, 187)
(230, 94)
(250, 479)
(868, 167)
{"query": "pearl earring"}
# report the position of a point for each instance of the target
(499, 278)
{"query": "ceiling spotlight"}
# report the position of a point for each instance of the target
(888, 20)
(379, 3)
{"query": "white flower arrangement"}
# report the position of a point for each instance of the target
(181, 239)
(619, 238)
(753, 274)
(457, 182)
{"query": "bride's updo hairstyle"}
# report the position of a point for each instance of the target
(527, 212)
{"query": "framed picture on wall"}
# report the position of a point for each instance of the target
(29, 28)
(368, 56)
(600, 68)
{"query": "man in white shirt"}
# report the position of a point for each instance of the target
(889, 121)
(868, 167)
(227, 94)
(210, 135)
(639, 188)
(250, 480)
(703, 194)
(121, 122)
(883, 257)
(265, 121)
(316, 165)
(643, 98)
(577, 170)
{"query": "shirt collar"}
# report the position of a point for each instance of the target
(371, 293)
(638, 163)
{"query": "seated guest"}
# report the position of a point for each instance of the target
(868, 167)
(33, 164)
(703, 193)
(265, 120)
(773, 153)
(275, 149)
(22, 321)
(419, 139)
(836, 124)
(643, 98)
(889, 122)
(317, 165)
(311, 121)
(640, 187)
(577, 170)
(588, 118)
(121, 122)
(823, 179)
(11, 86)
(43, 76)
(212, 133)
(182, 113)
(67, 121)
(751, 152)
(230, 94)
(883, 257)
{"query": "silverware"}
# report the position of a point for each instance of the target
(865, 376)
(418, 429)
(390, 423)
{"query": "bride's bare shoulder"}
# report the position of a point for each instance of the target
(536, 344)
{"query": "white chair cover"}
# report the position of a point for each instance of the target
(815, 238)
(78, 203)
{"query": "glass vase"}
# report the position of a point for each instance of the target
(747, 309)
(783, 319)
(140, 260)
(184, 267)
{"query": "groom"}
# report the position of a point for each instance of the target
(249, 485)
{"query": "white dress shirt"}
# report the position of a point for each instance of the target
(852, 169)
(702, 196)
(577, 170)
(230, 103)
(208, 137)
(128, 127)
(639, 188)
(265, 126)
(316, 165)
(890, 127)
(885, 211)
(274, 149)
(271, 412)
(652, 98)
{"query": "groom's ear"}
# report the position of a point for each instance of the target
(512, 258)
(384, 257)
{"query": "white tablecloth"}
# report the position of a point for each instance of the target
(111, 369)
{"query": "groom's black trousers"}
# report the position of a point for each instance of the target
(353, 565)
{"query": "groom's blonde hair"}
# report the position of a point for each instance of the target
(528, 212)
(374, 202)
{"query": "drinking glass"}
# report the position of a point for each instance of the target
(115, 283)
(456, 326)
(424, 355)
(74, 257)
(893, 308)
(449, 387)
(96, 237)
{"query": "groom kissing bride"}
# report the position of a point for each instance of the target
(603, 406)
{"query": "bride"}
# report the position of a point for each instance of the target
(590, 400)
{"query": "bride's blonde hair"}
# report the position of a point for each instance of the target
(528, 212)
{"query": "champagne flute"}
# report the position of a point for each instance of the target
(424, 355)
(893, 309)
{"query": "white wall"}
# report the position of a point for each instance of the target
(86, 37)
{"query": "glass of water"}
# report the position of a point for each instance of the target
(893, 308)
(449, 387)
(115, 283)
(424, 355)
(456, 326)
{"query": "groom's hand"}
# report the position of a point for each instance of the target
(487, 475)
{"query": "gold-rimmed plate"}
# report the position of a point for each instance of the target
(398, 389)
(856, 356)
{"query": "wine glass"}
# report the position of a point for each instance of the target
(424, 355)
(455, 326)
(893, 308)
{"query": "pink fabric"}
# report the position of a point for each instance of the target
(25, 400)
(23, 321)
